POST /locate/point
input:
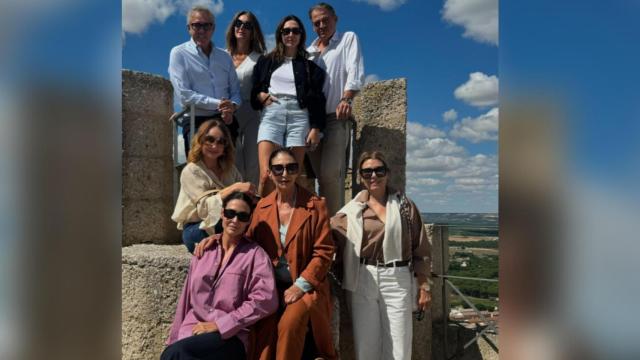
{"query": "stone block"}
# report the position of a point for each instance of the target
(147, 179)
(152, 279)
(146, 93)
(381, 121)
(146, 134)
(148, 221)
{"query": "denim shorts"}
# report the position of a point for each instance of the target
(284, 123)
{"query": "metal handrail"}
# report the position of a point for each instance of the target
(445, 282)
(175, 118)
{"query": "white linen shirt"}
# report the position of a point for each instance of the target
(203, 80)
(342, 60)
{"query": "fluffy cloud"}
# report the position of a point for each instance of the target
(138, 15)
(419, 131)
(476, 166)
(480, 90)
(479, 18)
(371, 78)
(449, 115)
(386, 5)
(442, 176)
(482, 128)
(270, 41)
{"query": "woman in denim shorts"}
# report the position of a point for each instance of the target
(287, 87)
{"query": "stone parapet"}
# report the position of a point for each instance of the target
(380, 111)
(147, 160)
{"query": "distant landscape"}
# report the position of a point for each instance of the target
(473, 252)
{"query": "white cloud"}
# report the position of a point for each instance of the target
(482, 128)
(427, 181)
(371, 78)
(477, 166)
(478, 17)
(480, 90)
(386, 5)
(270, 41)
(442, 176)
(449, 115)
(416, 130)
(138, 15)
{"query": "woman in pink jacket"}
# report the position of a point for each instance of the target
(227, 289)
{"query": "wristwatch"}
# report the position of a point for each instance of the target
(347, 100)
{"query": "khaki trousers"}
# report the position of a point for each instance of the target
(329, 162)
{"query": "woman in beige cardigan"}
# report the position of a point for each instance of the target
(209, 176)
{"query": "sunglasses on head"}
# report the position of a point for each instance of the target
(380, 171)
(294, 30)
(278, 169)
(210, 140)
(239, 24)
(201, 26)
(242, 215)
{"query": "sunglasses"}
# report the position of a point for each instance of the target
(210, 140)
(294, 30)
(242, 216)
(278, 169)
(380, 171)
(201, 26)
(239, 24)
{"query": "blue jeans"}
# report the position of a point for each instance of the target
(207, 346)
(191, 235)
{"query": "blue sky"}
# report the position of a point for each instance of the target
(447, 50)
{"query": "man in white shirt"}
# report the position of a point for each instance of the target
(204, 75)
(340, 56)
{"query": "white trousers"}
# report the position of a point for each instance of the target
(381, 313)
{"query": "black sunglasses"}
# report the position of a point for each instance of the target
(201, 26)
(380, 171)
(294, 30)
(242, 216)
(209, 140)
(278, 169)
(248, 25)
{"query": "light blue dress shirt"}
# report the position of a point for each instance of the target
(203, 80)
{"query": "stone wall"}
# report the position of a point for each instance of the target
(381, 123)
(147, 165)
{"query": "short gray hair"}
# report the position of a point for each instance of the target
(323, 6)
(201, 9)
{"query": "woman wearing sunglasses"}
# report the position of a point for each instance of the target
(382, 246)
(292, 225)
(209, 176)
(227, 289)
(287, 87)
(245, 44)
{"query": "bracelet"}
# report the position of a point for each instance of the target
(265, 99)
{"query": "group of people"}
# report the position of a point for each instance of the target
(263, 245)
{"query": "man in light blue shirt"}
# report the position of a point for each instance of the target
(204, 75)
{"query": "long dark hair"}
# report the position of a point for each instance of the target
(257, 39)
(278, 52)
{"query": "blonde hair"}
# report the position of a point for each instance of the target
(227, 159)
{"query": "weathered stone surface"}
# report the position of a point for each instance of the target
(381, 117)
(146, 134)
(147, 163)
(146, 93)
(147, 178)
(148, 221)
(152, 278)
